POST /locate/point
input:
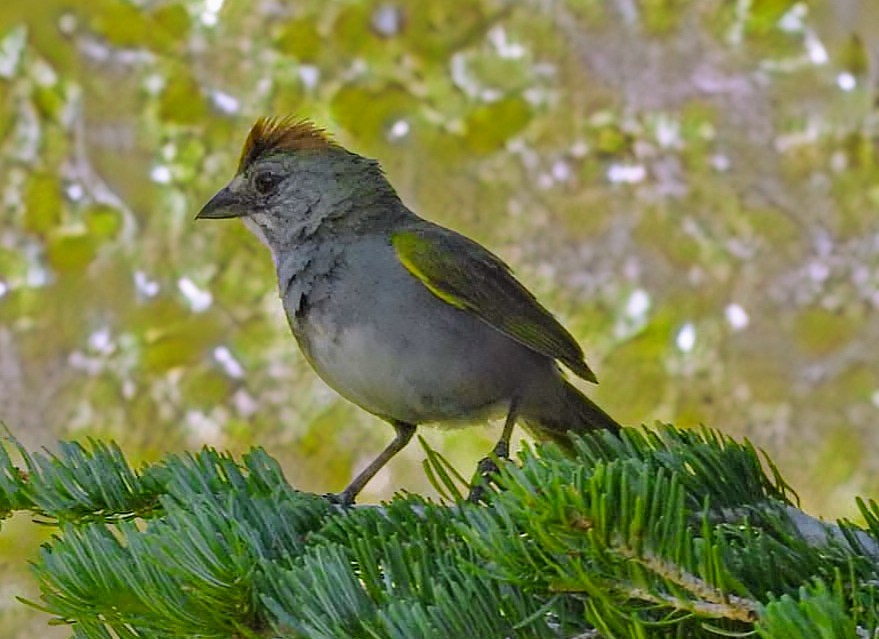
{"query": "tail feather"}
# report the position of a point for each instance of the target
(562, 410)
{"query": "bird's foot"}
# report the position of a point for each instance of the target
(487, 468)
(486, 472)
(483, 478)
(477, 491)
(502, 450)
(343, 499)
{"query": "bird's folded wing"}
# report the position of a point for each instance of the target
(464, 274)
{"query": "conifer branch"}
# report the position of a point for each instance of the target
(712, 602)
(656, 534)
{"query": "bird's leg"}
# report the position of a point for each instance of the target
(404, 434)
(502, 448)
(487, 465)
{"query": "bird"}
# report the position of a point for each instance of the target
(409, 320)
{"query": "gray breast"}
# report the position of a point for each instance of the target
(382, 340)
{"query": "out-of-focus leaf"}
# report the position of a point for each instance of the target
(662, 16)
(583, 216)
(7, 117)
(13, 264)
(156, 315)
(319, 449)
(248, 276)
(504, 74)
(54, 330)
(633, 375)
(288, 93)
(763, 370)
(70, 252)
(368, 112)
(204, 387)
(17, 303)
(841, 455)
(764, 15)
(351, 32)
(860, 150)
(819, 331)
(855, 217)
(662, 231)
(182, 101)
(251, 338)
(859, 380)
(435, 29)
(767, 39)
(123, 24)
(698, 124)
(39, 20)
(611, 140)
(779, 231)
(489, 126)
(183, 344)
(693, 408)
(102, 221)
(43, 203)
(49, 100)
(174, 19)
(105, 390)
(300, 39)
(126, 25)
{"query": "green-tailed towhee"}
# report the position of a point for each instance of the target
(409, 320)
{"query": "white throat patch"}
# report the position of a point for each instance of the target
(256, 228)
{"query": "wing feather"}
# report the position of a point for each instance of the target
(464, 274)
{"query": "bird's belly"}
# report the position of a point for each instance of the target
(408, 370)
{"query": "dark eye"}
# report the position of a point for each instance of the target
(266, 182)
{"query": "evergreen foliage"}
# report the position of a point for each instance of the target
(665, 533)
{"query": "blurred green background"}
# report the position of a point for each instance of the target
(690, 185)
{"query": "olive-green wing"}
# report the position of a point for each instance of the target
(464, 274)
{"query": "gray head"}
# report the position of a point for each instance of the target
(293, 180)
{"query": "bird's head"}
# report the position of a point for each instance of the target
(293, 178)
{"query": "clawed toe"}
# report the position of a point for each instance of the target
(343, 499)
(486, 472)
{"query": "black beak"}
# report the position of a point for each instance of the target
(223, 205)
